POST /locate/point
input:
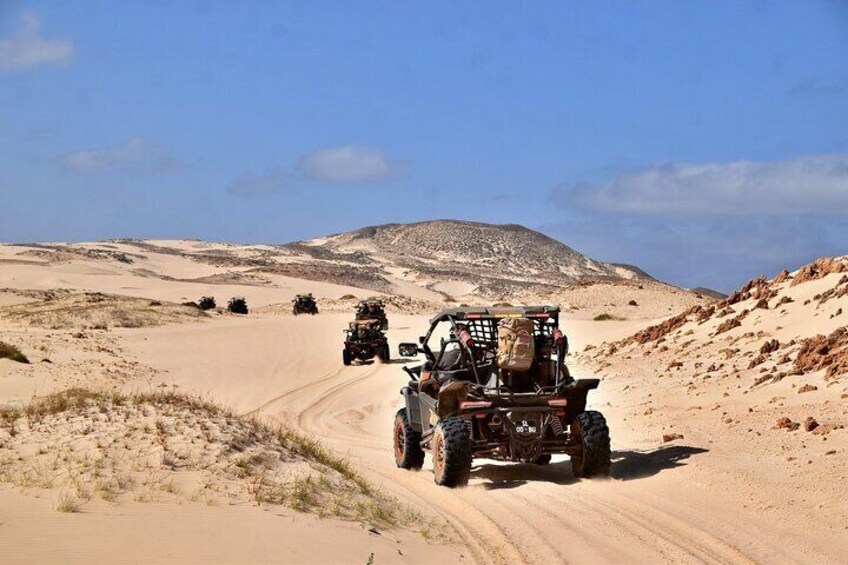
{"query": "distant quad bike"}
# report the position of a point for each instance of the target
(237, 305)
(364, 340)
(207, 303)
(304, 304)
(373, 309)
(497, 387)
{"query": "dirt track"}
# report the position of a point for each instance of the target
(684, 502)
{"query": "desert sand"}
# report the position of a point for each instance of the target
(734, 487)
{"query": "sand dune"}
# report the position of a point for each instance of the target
(734, 486)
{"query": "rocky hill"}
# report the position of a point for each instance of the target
(456, 258)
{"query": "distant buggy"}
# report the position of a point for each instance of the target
(496, 386)
(373, 309)
(364, 340)
(304, 304)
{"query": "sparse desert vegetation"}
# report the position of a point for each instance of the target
(11, 352)
(163, 445)
(94, 310)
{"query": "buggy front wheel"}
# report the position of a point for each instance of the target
(407, 443)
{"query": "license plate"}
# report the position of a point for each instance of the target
(526, 427)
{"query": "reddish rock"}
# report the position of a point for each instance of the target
(671, 437)
(653, 333)
(823, 430)
(770, 346)
(807, 388)
(754, 287)
(756, 361)
(786, 424)
(810, 424)
(825, 352)
(819, 269)
(783, 276)
(762, 303)
(784, 300)
(728, 325)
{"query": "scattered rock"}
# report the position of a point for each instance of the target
(671, 437)
(770, 346)
(728, 325)
(819, 269)
(786, 424)
(783, 276)
(825, 429)
(807, 388)
(825, 352)
(810, 424)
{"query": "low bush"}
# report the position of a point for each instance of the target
(237, 305)
(11, 352)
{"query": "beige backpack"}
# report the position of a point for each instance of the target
(516, 347)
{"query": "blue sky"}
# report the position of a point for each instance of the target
(706, 142)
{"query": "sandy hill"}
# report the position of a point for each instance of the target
(791, 325)
(766, 366)
(456, 258)
(418, 266)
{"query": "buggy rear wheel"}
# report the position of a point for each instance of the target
(383, 353)
(543, 459)
(593, 458)
(407, 443)
(451, 452)
(345, 356)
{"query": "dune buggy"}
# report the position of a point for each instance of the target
(364, 340)
(304, 304)
(460, 404)
(373, 309)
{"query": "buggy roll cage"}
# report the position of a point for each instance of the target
(479, 324)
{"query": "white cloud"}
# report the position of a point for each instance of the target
(135, 156)
(348, 163)
(27, 48)
(252, 185)
(805, 185)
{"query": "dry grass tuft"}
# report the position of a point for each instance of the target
(140, 446)
(98, 311)
(11, 352)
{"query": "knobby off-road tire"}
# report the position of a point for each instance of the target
(383, 353)
(591, 430)
(345, 356)
(451, 452)
(407, 442)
